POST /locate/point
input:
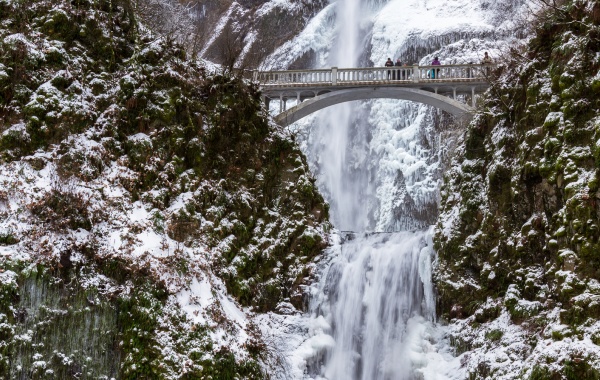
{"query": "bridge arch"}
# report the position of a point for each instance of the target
(459, 110)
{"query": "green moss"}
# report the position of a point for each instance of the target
(138, 323)
(540, 373)
(552, 147)
(8, 238)
(494, 335)
(574, 369)
(557, 335)
(225, 367)
(59, 26)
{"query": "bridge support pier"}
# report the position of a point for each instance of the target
(282, 103)
(454, 93)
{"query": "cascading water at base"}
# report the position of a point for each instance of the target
(376, 297)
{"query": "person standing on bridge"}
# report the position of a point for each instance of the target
(435, 73)
(398, 69)
(486, 61)
(389, 63)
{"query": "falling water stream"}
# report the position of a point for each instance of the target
(378, 297)
(376, 293)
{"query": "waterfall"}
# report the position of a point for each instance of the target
(377, 292)
(333, 143)
(378, 164)
(377, 298)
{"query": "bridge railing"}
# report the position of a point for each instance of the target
(294, 76)
(400, 74)
(451, 72)
(375, 74)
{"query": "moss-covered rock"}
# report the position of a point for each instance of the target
(105, 123)
(521, 227)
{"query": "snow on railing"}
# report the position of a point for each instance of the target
(402, 74)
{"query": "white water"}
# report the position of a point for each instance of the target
(378, 290)
(375, 300)
(332, 144)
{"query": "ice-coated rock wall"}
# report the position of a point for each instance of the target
(382, 159)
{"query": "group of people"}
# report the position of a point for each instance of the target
(433, 74)
(401, 74)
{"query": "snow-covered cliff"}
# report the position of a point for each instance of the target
(517, 238)
(147, 208)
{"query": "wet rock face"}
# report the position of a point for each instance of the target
(519, 220)
(41, 329)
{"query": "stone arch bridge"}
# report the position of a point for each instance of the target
(452, 88)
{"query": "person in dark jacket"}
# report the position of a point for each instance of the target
(389, 63)
(398, 69)
(435, 73)
(487, 61)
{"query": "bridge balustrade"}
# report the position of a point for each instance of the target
(336, 75)
(374, 74)
(294, 76)
(452, 72)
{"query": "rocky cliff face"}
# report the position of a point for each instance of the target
(137, 193)
(237, 34)
(518, 234)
